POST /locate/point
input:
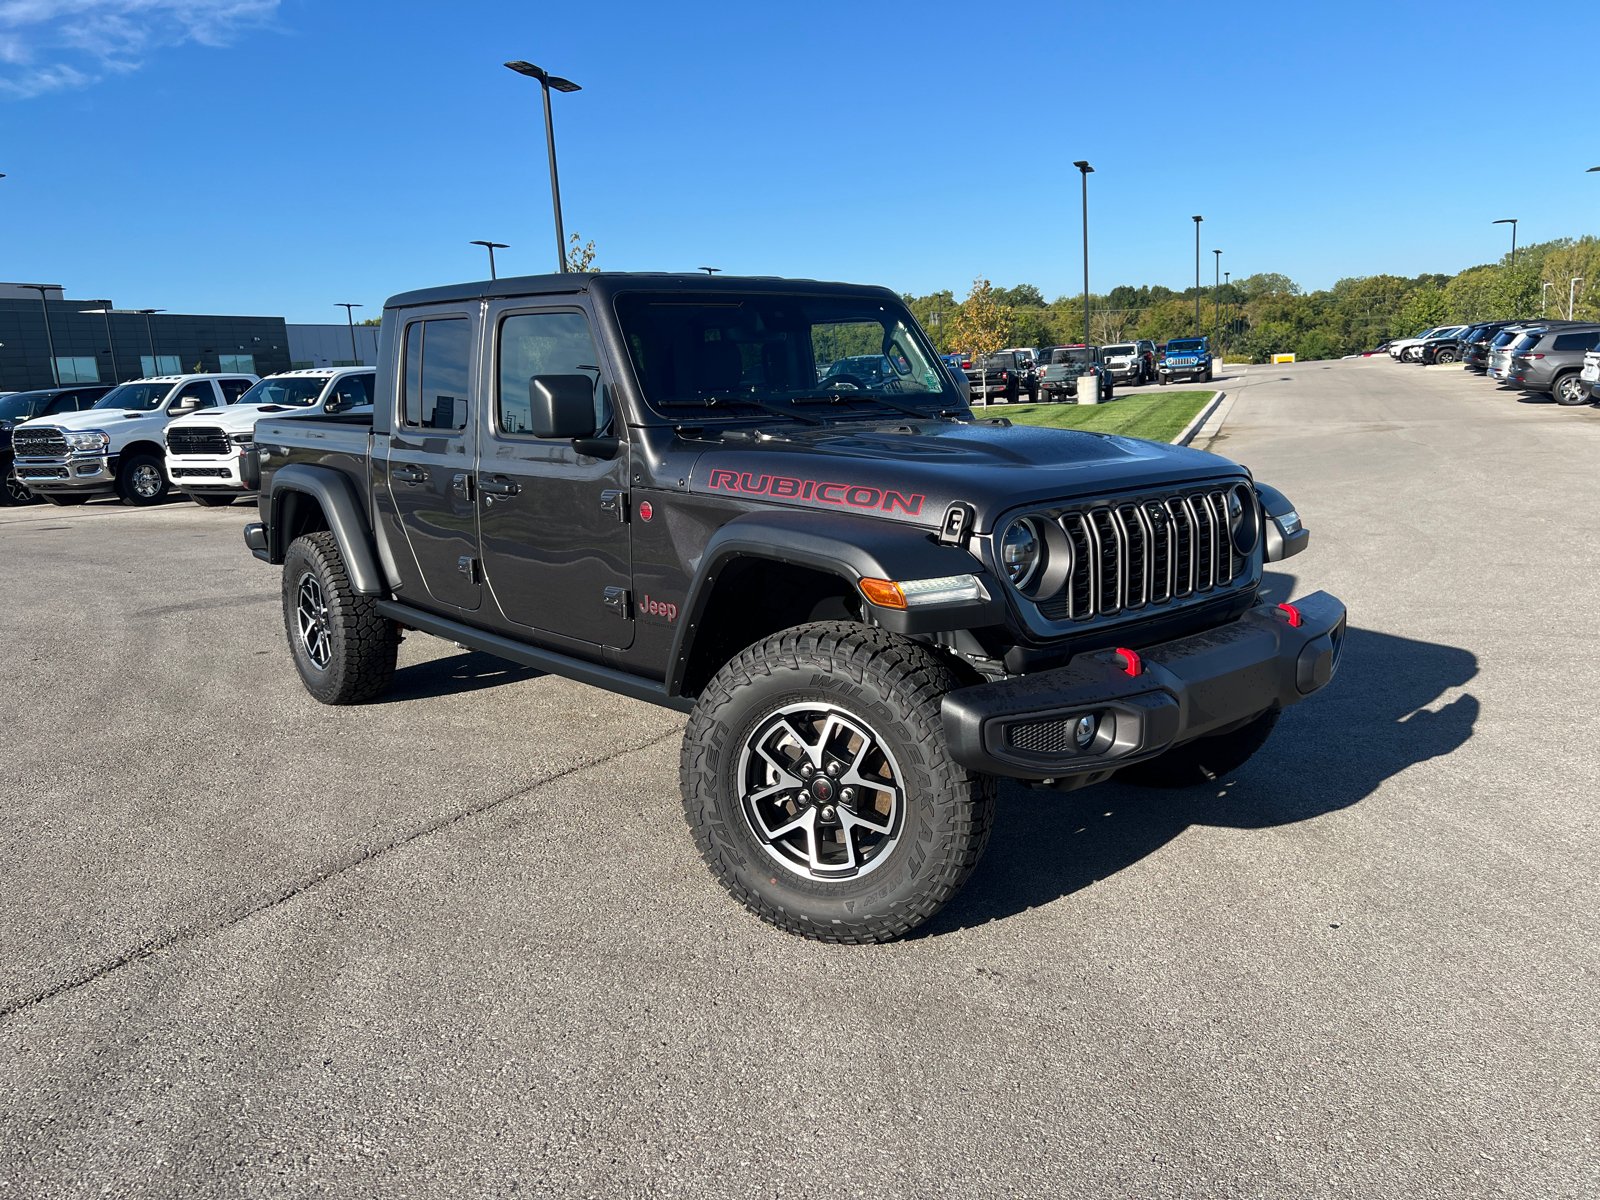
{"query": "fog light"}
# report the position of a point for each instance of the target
(1083, 731)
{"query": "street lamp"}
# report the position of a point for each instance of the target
(155, 363)
(1085, 170)
(709, 270)
(1216, 289)
(491, 247)
(1572, 296)
(1511, 221)
(349, 311)
(548, 81)
(1544, 294)
(106, 312)
(1197, 221)
(42, 289)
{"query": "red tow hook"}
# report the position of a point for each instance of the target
(1130, 663)
(1292, 615)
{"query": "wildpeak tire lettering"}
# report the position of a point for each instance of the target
(781, 487)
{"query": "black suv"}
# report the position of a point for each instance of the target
(871, 604)
(25, 406)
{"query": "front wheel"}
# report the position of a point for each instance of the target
(16, 491)
(1444, 356)
(345, 652)
(1203, 760)
(1570, 390)
(819, 788)
(142, 480)
(1162, 381)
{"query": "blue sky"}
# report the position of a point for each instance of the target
(276, 156)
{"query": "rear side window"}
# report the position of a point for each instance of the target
(438, 358)
(197, 394)
(1526, 342)
(1576, 341)
(232, 389)
(352, 391)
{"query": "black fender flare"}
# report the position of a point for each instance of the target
(342, 507)
(851, 547)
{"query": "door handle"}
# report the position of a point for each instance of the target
(409, 474)
(499, 487)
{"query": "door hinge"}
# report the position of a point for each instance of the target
(617, 598)
(469, 567)
(615, 502)
(956, 525)
(462, 483)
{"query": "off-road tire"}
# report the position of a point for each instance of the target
(1570, 390)
(357, 646)
(134, 483)
(1162, 381)
(210, 500)
(15, 491)
(1203, 760)
(890, 685)
(64, 499)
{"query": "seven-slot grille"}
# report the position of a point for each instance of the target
(39, 443)
(197, 439)
(1144, 552)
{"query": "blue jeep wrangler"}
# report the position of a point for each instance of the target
(1188, 357)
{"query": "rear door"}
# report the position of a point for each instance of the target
(553, 517)
(431, 451)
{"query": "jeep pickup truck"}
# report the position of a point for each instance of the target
(871, 604)
(1059, 379)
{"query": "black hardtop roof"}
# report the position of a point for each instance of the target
(606, 283)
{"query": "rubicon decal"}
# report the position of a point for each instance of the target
(781, 487)
(658, 608)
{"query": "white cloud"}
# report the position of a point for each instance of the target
(54, 45)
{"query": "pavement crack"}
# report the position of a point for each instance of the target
(307, 882)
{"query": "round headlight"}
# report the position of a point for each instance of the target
(1020, 551)
(1243, 525)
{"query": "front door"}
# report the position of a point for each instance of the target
(431, 452)
(553, 519)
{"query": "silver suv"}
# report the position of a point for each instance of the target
(1551, 360)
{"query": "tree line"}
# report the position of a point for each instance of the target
(1269, 314)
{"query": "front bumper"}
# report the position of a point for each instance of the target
(74, 473)
(238, 473)
(1203, 684)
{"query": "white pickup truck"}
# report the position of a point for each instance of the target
(211, 455)
(116, 446)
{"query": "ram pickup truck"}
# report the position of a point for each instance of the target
(17, 408)
(1188, 357)
(211, 455)
(116, 446)
(871, 604)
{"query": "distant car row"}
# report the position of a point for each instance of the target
(1561, 358)
(1052, 372)
(141, 439)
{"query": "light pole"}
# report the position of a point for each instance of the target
(1511, 221)
(105, 311)
(491, 247)
(1572, 296)
(1084, 169)
(1227, 281)
(548, 81)
(1197, 221)
(1216, 288)
(349, 316)
(155, 363)
(50, 340)
(1544, 293)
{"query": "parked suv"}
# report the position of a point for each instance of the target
(1067, 365)
(1504, 342)
(1409, 349)
(18, 407)
(1130, 362)
(115, 446)
(1008, 374)
(1590, 375)
(1551, 360)
(1476, 342)
(871, 604)
(1187, 357)
(211, 455)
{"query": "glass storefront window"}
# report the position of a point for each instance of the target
(161, 364)
(77, 370)
(238, 362)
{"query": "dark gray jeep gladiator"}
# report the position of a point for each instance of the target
(871, 604)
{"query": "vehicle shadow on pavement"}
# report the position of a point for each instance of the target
(1380, 716)
(453, 675)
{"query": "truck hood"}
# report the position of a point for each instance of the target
(108, 419)
(235, 418)
(913, 472)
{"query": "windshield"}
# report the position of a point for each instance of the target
(749, 350)
(22, 406)
(1185, 345)
(300, 391)
(142, 397)
(1124, 348)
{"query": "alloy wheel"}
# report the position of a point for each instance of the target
(16, 492)
(1571, 390)
(821, 792)
(311, 618)
(146, 481)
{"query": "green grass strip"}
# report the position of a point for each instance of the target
(1158, 416)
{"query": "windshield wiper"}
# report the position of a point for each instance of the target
(840, 397)
(715, 401)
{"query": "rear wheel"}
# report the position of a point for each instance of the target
(64, 499)
(142, 480)
(1569, 389)
(819, 788)
(1203, 760)
(345, 652)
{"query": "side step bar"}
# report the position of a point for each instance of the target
(547, 661)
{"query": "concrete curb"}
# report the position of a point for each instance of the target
(1186, 434)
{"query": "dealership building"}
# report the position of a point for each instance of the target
(47, 340)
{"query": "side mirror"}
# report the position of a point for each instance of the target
(332, 404)
(562, 406)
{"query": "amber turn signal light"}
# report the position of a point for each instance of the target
(885, 593)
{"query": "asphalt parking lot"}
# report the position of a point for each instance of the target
(459, 943)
